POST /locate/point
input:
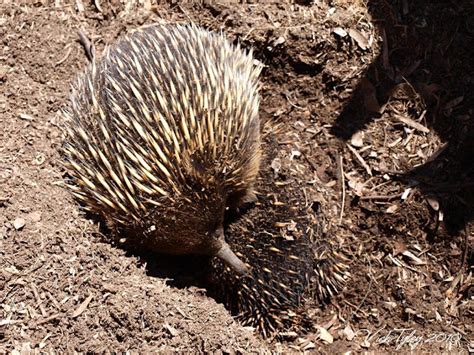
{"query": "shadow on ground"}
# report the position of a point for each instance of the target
(427, 49)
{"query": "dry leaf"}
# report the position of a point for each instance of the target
(82, 307)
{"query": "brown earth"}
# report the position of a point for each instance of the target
(374, 101)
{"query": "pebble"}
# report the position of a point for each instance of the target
(19, 223)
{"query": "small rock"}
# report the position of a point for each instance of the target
(357, 139)
(19, 223)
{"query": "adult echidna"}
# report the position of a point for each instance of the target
(163, 136)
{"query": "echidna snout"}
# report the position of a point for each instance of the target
(227, 255)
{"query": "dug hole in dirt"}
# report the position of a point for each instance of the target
(368, 106)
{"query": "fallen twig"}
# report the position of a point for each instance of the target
(87, 44)
(343, 186)
(360, 159)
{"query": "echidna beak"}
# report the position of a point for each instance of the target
(227, 255)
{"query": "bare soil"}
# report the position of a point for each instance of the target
(371, 108)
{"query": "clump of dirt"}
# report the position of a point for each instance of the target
(374, 105)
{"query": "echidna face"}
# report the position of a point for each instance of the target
(185, 223)
(193, 224)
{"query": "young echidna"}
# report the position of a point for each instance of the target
(163, 136)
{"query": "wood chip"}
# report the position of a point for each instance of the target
(406, 193)
(35, 216)
(8, 321)
(340, 31)
(325, 335)
(3, 71)
(171, 330)
(44, 320)
(87, 44)
(97, 5)
(413, 124)
(360, 39)
(413, 259)
(433, 202)
(361, 160)
(279, 40)
(348, 333)
(79, 6)
(26, 117)
(392, 209)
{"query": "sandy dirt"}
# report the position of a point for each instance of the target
(368, 109)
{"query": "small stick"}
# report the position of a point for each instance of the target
(44, 320)
(39, 302)
(466, 247)
(343, 185)
(61, 61)
(413, 124)
(360, 159)
(87, 44)
(381, 197)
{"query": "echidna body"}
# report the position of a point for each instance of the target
(163, 136)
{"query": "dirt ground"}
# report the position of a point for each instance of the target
(371, 105)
